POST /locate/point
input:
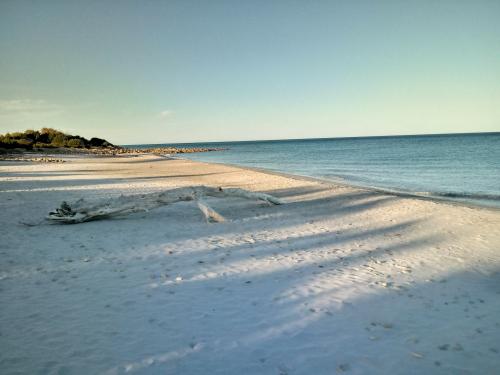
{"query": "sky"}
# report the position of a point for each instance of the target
(193, 71)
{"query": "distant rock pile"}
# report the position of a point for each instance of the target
(117, 150)
(42, 159)
(163, 150)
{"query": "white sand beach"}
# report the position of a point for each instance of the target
(337, 280)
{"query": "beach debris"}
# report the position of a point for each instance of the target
(82, 211)
(209, 213)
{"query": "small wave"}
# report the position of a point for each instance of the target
(483, 199)
(460, 195)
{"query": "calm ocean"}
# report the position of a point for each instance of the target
(460, 167)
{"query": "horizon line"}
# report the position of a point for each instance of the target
(317, 138)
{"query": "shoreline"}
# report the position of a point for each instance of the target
(334, 183)
(47, 156)
(337, 279)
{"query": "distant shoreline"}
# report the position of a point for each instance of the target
(18, 153)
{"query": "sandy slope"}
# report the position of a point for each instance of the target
(337, 280)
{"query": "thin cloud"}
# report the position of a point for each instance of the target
(28, 106)
(166, 113)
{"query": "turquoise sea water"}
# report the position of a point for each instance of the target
(461, 167)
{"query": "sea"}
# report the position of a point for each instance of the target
(457, 167)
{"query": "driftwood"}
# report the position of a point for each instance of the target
(82, 211)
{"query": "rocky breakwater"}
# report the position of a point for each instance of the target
(155, 150)
(37, 159)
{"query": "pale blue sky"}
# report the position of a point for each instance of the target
(185, 71)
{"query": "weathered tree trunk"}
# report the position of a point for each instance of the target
(82, 211)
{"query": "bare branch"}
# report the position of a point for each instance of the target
(210, 214)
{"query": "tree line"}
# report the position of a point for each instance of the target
(48, 138)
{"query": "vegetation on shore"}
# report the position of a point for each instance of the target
(62, 143)
(48, 138)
